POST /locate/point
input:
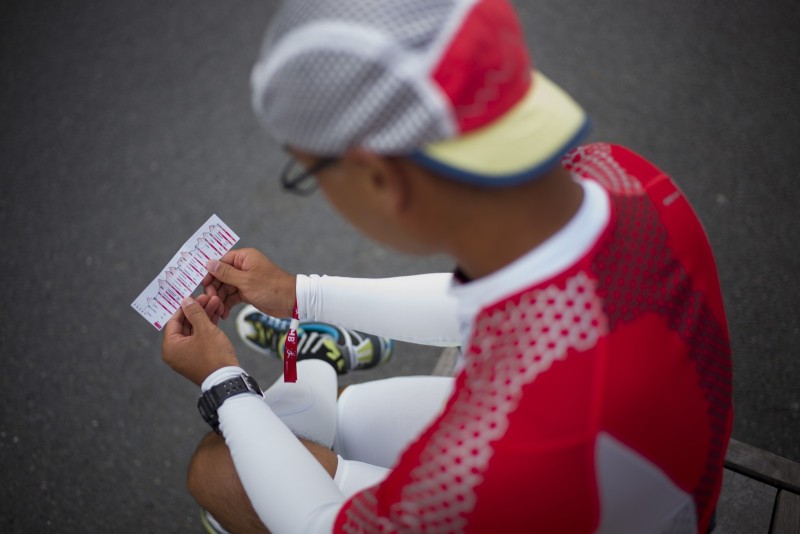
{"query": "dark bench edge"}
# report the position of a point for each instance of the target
(763, 466)
(786, 514)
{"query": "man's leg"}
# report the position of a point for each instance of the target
(384, 416)
(214, 484)
(377, 420)
(307, 407)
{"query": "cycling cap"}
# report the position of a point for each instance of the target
(448, 83)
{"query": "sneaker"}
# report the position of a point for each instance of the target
(260, 331)
(343, 348)
(210, 524)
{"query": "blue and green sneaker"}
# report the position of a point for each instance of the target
(343, 348)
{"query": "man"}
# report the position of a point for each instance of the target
(594, 389)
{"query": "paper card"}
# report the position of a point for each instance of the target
(184, 272)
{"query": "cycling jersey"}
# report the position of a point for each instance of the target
(594, 396)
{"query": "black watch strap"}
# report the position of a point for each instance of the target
(209, 402)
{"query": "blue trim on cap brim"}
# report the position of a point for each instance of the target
(503, 180)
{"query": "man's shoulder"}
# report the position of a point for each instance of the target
(617, 168)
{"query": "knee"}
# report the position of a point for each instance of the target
(213, 483)
(208, 460)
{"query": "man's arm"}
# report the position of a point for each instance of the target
(416, 309)
(288, 488)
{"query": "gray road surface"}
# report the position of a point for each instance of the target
(126, 124)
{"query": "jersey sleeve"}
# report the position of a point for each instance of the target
(416, 309)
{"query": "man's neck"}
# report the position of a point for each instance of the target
(497, 227)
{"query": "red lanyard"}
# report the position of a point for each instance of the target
(290, 349)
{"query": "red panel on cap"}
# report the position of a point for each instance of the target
(486, 69)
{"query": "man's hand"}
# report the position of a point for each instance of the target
(192, 344)
(246, 275)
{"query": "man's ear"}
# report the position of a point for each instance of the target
(386, 180)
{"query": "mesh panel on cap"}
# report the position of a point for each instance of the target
(413, 23)
(326, 99)
(358, 104)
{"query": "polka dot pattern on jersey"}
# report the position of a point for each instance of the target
(596, 161)
(517, 342)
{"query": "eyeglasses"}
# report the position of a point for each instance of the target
(300, 181)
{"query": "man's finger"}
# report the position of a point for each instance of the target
(225, 272)
(195, 314)
(229, 303)
(174, 327)
(212, 307)
(207, 279)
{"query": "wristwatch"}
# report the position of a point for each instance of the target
(210, 401)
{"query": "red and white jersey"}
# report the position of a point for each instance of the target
(595, 392)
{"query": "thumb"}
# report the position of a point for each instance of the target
(195, 314)
(225, 272)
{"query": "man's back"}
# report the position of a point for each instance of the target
(592, 398)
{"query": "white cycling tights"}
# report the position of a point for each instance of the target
(369, 426)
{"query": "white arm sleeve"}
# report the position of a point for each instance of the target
(290, 491)
(416, 309)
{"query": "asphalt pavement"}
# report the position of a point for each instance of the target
(125, 125)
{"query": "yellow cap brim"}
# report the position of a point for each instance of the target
(528, 140)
